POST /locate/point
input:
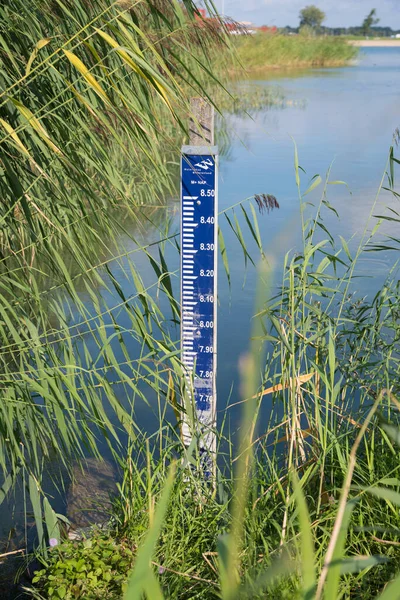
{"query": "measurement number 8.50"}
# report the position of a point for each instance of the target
(209, 193)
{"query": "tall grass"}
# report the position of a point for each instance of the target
(306, 505)
(300, 508)
(310, 516)
(262, 51)
(95, 98)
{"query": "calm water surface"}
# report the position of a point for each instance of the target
(343, 119)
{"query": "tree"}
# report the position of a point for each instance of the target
(311, 16)
(369, 21)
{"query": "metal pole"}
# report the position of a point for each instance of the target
(199, 237)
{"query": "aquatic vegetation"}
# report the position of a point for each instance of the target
(262, 51)
(306, 500)
(304, 504)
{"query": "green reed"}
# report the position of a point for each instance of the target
(269, 51)
(306, 504)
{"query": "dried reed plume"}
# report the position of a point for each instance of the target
(266, 202)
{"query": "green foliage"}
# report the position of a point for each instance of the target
(262, 51)
(307, 507)
(94, 101)
(94, 96)
(312, 16)
(92, 569)
(369, 21)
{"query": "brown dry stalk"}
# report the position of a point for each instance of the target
(188, 575)
(279, 387)
(11, 553)
(387, 542)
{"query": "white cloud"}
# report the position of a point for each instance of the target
(338, 12)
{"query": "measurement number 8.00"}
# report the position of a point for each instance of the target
(206, 324)
(206, 273)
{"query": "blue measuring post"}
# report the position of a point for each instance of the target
(199, 237)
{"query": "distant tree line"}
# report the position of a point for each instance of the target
(312, 17)
(373, 32)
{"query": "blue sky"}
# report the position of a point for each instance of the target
(285, 12)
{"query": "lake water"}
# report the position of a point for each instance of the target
(343, 118)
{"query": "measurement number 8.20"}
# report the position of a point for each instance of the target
(206, 273)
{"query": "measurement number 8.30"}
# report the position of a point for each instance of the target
(206, 246)
(209, 193)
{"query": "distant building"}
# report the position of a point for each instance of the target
(266, 29)
(235, 27)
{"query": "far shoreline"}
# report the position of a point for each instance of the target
(374, 43)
